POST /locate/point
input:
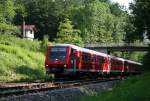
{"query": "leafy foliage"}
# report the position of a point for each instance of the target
(132, 89)
(141, 13)
(99, 21)
(146, 62)
(20, 60)
(11, 40)
(44, 43)
(7, 12)
(67, 34)
(134, 56)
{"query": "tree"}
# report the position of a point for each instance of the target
(42, 14)
(44, 43)
(98, 20)
(98, 23)
(7, 12)
(67, 34)
(141, 10)
(46, 15)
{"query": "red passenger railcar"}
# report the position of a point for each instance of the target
(70, 59)
(117, 65)
(132, 67)
(67, 59)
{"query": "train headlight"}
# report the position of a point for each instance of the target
(46, 65)
(65, 65)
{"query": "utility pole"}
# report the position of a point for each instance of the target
(23, 28)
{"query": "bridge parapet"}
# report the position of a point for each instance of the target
(107, 48)
(139, 44)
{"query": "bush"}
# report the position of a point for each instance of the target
(44, 43)
(11, 40)
(146, 62)
(133, 89)
(20, 60)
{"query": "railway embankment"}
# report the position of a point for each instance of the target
(135, 88)
(65, 94)
(20, 59)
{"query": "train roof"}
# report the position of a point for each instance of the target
(94, 52)
(130, 61)
(82, 49)
(133, 62)
(117, 58)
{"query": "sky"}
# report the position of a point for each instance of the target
(123, 2)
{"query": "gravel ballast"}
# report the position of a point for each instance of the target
(66, 94)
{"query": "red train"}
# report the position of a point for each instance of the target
(71, 60)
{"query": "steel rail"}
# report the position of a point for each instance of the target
(21, 90)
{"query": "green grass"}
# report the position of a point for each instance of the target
(20, 60)
(11, 40)
(133, 89)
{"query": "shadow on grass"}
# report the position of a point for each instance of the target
(30, 73)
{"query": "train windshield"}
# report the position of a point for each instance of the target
(58, 53)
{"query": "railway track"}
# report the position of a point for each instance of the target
(16, 89)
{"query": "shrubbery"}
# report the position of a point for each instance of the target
(133, 89)
(146, 62)
(11, 40)
(20, 59)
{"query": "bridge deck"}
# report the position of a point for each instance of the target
(120, 48)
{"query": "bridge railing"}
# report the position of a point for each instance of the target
(138, 44)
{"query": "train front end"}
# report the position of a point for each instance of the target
(56, 59)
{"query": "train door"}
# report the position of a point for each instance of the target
(102, 66)
(112, 63)
(93, 62)
(99, 62)
(105, 65)
(73, 60)
(86, 65)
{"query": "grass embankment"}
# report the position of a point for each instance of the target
(20, 59)
(133, 89)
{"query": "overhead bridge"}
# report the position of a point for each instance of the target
(122, 48)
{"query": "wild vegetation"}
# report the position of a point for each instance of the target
(77, 22)
(7, 12)
(83, 21)
(71, 21)
(20, 59)
(89, 21)
(141, 14)
(133, 89)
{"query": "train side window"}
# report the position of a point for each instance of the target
(73, 52)
(101, 60)
(112, 62)
(93, 59)
(83, 57)
(86, 57)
